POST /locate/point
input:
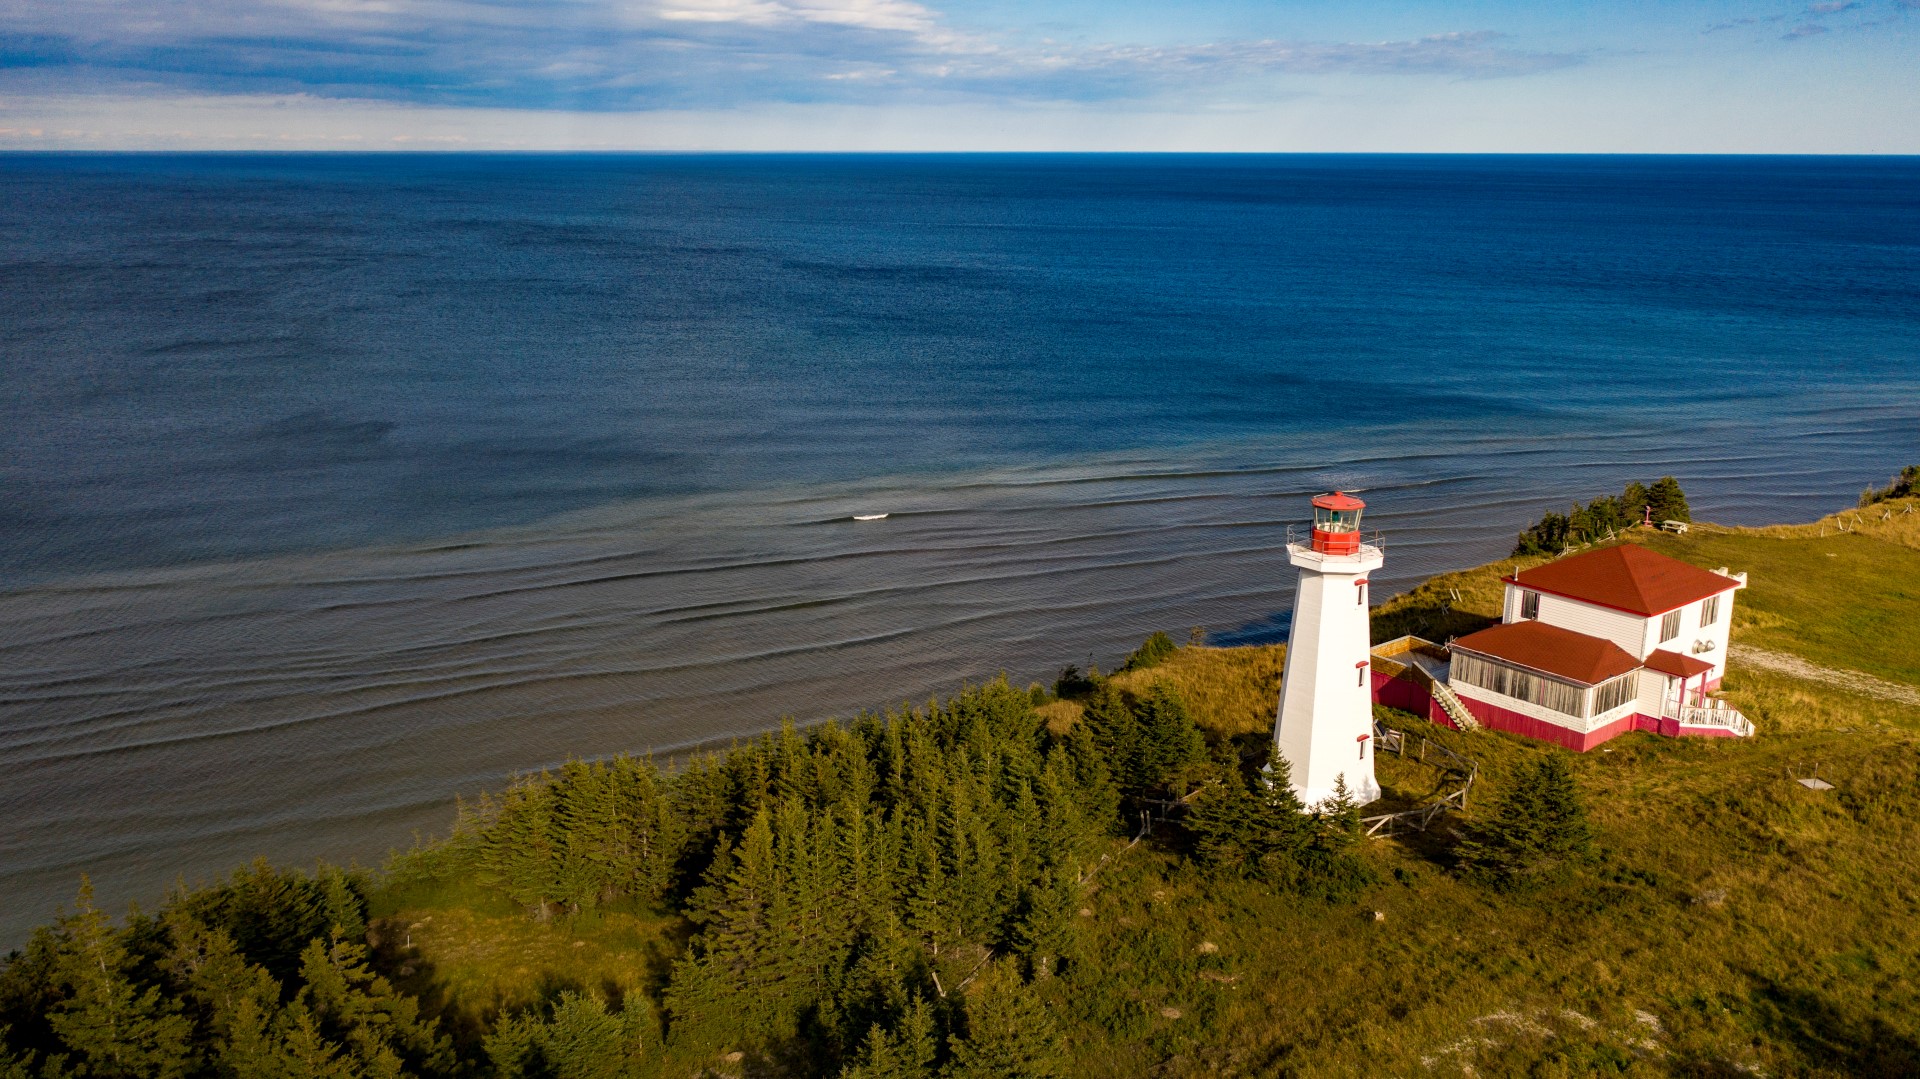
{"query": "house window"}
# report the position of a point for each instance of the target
(1612, 694)
(1529, 604)
(1522, 685)
(1710, 612)
(1669, 626)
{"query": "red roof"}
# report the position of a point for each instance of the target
(1550, 649)
(1338, 500)
(1627, 578)
(1675, 664)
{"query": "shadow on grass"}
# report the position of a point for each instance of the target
(1830, 1039)
(1430, 617)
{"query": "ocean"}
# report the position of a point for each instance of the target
(337, 486)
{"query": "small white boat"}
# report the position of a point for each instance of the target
(869, 516)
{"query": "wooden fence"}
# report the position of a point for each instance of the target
(1464, 769)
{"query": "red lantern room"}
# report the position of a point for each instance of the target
(1336, 523)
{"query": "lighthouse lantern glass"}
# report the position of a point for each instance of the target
(1327, 520)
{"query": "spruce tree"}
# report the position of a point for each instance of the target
(1566, 836)
(518, 852)
(1045, 935)
(1669, 502)
(580, 1040)
(907, 1051)
(1010, 1033)
(109, 1026)
(340, 903)
(239, 1003)
(270, 913)
(1636, 501)
(1256, 829)
(381, 1030)
(1170, 742)
(1115, 734)
(1536, 830)
(734, 962)
(1225, 820)
(1330, 866)
(309, 1054)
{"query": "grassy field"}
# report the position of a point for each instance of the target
(469, 955)
(1734, 922)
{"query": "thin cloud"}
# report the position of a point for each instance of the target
(616, 55)
(1811, 18)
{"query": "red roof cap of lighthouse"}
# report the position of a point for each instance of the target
(1552, 650)
(1338, 500)
(1627, 578)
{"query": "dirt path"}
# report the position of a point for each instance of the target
(1853, 681)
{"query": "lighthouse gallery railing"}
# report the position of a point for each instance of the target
(1302, 535)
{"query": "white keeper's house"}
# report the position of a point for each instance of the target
(1588, 648)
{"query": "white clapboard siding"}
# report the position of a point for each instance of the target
(1653, 691)
(1629, 631)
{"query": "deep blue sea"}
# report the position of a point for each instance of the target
(335, 486)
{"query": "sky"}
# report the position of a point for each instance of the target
(1595, 76)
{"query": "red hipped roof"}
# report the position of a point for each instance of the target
(1628, 578)
(1574, 656)
(1675, 664)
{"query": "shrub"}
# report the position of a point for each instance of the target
(1152, 652)
(1904, 484)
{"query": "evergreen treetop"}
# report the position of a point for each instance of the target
(1537, 830)
(1605, 516)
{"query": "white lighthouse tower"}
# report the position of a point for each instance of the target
(1325, 727)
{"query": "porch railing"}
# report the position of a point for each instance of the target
(1714, 713)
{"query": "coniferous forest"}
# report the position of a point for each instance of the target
(871, 900)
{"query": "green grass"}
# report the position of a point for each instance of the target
(1847, 600)
(1757, 923)
(1231, 692)
(470, 955)
(1733, 923)
(1735, 920)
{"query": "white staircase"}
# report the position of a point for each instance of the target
(1454, 707)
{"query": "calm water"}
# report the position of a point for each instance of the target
(335, 486)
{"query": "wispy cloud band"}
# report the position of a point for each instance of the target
(645, 54)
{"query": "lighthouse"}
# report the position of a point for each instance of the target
(1325, 726)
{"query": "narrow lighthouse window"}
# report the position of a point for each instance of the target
(1360, 673)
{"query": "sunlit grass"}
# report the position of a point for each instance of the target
(1733, 922)
(470, 956)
